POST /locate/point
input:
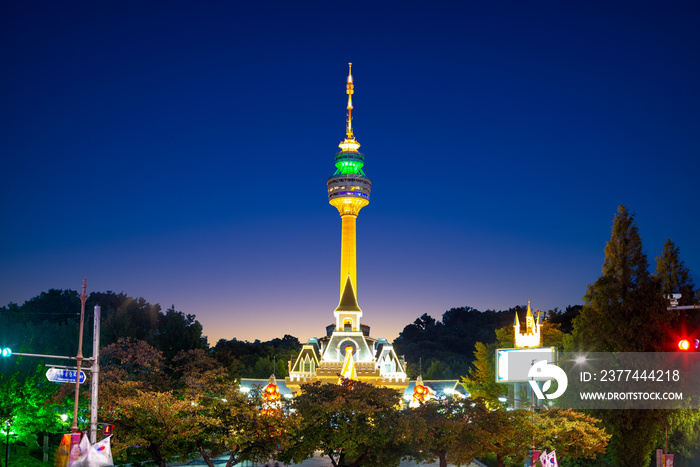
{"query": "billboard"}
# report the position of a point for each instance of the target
(513, 365)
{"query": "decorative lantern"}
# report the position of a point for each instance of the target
(421, 393)
(272, 398)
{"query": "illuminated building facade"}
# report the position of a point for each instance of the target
(347, 349)
(531, 337)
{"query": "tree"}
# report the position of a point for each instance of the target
(133, 318)
(436, 370)
(450, 341)
(26, 406)
(564, 318)
(157, 421)
(508, 434)
(573, 434)
(352, 423)
(683, 435)
(448, 430)
(177, 332)
(135, 396)
(225, 420)
(624, 311)
(248, 434)
(481, 382)
(674, 277)
(256, 359)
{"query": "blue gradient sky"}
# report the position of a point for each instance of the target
(179, 151)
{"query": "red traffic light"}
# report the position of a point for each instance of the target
(688, 344)
(107, 430)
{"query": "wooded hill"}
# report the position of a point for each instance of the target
(47, 323)
(445, 349)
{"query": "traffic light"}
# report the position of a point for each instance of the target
(6, 352)
(689, 345)
(107, 430)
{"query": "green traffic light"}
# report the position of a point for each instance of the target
(6, 352)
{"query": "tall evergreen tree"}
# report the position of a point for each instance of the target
(673, 275)
(625, 311)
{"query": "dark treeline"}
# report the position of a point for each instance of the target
(256, 359)
(445, 349)
(49, 324)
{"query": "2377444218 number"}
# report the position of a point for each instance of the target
(636, 375)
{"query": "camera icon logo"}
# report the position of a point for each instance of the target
(542, 370)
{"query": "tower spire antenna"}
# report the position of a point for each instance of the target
(350, 90)
(349, 144)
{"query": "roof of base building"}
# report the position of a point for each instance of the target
(348, 302)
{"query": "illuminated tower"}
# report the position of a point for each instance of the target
(347, 350)
(348, 191)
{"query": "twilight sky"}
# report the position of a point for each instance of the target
(179, 151)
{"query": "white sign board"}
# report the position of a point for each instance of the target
(62, 375)
(512, 365)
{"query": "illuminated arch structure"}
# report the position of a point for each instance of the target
(347, 342)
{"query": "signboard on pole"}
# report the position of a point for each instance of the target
(62, 375)
(513, 365)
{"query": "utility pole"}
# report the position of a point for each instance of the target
(75, 438)
(95, 372)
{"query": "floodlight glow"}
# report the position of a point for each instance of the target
(349, 145)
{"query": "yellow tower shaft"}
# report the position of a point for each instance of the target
(348, 208)
(348, 252)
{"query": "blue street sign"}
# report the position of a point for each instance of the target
(61, 375)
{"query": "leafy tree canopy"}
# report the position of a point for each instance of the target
(449, 431)
(352, 423)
